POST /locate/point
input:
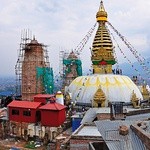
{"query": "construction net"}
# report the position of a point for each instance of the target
(69, 62)
(46, 75)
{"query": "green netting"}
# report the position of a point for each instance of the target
(46, 75)
(69, 62)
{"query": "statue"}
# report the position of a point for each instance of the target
(135, 100)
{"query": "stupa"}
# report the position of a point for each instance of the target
(103, 86)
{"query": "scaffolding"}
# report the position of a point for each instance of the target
(70, 67)
(61, 67)
(33, 72)
(25, 38)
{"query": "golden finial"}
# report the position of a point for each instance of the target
(101, 8)
(101, 14)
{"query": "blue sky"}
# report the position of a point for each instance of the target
(62, 24)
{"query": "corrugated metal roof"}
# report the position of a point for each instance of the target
(138, 117)
(89, 131)
(115, 141)
(24, 104)
(53, 106)
(89, 116)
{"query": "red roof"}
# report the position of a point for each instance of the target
(53, 106)
(52, 99)
(24, 104)
(44, 95)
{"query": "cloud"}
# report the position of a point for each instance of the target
(62, 24)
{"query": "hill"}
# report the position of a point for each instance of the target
(129, 69)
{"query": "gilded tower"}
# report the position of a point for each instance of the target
(102, 49)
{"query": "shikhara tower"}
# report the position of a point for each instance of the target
(33, 72)
(102, 49)
(33, 59)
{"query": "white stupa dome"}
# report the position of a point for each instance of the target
(115, 87)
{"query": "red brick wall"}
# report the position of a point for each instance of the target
(103, 116)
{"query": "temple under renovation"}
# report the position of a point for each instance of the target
(33, 72)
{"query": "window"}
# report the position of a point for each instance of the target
(27, 113)
(15, 112)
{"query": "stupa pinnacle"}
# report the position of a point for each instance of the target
(102, 49)
(101, 14)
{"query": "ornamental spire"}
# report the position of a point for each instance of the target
(102, 49)
(101, 14)
(101, 8)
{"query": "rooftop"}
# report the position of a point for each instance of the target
(115, 141)
(53, 106)
(89, 131)
(24, 104)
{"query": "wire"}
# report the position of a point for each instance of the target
(83, 42)
(125, 55)
(133, 50)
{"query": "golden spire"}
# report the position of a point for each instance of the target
(101, 14)
(102, 49)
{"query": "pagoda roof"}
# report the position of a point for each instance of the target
(53, 106)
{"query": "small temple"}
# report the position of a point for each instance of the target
(72, 68)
